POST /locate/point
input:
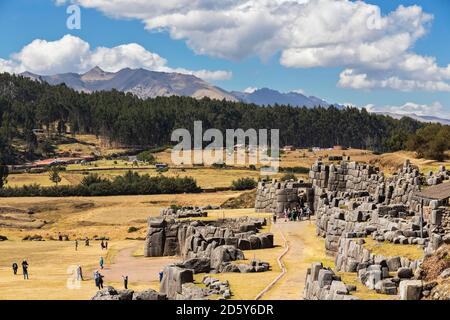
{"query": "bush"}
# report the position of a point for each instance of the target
(132, 229)
(146, 156)
(288, 176)
(130, 183)
(243, 184)
(299, 170)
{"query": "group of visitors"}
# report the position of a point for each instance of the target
(15, 268)
(104, 245)
(298, 213)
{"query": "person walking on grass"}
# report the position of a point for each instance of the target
(25, 269)
(101, 262)
(97, 278)
(125, 282)
(15, 267)
(79, 273)
(100, 281)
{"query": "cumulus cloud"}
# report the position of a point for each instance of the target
(72, 54)
(375, 50)
(434, 109)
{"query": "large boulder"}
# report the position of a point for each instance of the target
(223, 254)
(108, 293)
(266, 240)
(155, 240)
(173, 279)
(394, 263)
(149, 294)
(410, 289)
(199, 265)
(405, 273)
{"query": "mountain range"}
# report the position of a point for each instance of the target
(421, 118)
(149, 84)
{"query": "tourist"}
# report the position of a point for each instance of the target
(275, 218)
(100, 281)
(285, 214)
(76, 245)
(125, 282)
(15, 267)
(106, 245)
(86, 242)
(79, 273)
(101, 262)
(102, 245)
(25, 269)
(300, 214)
(161, 273)
(308, 213)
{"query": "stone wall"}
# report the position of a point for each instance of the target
(323, 284)
(276, 196)
(189, 239)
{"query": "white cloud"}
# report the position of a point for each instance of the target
(434, 109)
(72, 54)
(374, 49)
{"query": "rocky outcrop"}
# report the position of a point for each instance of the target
(194, 239)
(323, 284)
(173, 279)
(109, 293)
(184, 212)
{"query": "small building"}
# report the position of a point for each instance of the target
(440, 192)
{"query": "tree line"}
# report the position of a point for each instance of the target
(125, 119)
(131, 183)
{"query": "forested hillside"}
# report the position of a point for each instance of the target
(26, 105)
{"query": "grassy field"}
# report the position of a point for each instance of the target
(80, 217)
(50, 269)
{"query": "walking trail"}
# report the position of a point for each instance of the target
(290, 284)
(138, 269)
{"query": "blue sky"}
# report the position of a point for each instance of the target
(268, 46)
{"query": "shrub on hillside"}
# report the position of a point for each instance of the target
(243, 184)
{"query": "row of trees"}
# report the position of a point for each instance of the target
(123, 118)
(131, 183)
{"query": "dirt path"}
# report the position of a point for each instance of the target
(138, 269)
(290, 286)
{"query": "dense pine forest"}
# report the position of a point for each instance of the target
(123, 118)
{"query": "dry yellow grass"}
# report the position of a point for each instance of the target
(102, 216)
(18, 180)
(50, 269)
(388, 249)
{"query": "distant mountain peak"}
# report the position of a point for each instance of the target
(267, 96)
(96, 74)
(141, 82)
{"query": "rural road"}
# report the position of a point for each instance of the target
(138, 269)
(290, 285)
